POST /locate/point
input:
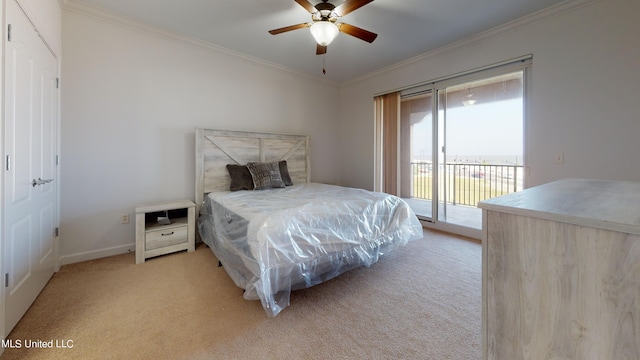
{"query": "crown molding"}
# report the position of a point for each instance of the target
(83, 8)
(536, 17)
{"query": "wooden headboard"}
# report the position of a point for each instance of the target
(217, 148)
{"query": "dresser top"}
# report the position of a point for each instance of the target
(604, 204)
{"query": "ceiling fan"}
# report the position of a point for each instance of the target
(325, 27)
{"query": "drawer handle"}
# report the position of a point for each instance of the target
(167, 234)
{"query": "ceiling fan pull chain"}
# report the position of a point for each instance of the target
(324, 72)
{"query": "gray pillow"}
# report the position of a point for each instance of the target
(240, 177)
(265, 175)
(284, 173)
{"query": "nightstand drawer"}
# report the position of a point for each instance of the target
(166, 237)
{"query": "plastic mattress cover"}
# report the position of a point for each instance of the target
(274, 241)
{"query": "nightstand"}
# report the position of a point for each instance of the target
(155, 239)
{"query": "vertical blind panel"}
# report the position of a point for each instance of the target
(390, 140)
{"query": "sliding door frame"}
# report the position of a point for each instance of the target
(435, 87)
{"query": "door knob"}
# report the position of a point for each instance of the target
(40, 181)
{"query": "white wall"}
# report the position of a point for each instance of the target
(131, 101)
(585, 81)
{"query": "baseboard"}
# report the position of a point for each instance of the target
(96, 254)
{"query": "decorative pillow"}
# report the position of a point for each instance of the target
(284, 173)
(265, 175)
(240, 177)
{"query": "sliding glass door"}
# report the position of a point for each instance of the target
(416, 126)
(481, 145)
(460, 142)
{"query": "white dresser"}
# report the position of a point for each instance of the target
(561, 272)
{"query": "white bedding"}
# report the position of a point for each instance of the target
(273, 241)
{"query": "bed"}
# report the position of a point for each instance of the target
(290, 235)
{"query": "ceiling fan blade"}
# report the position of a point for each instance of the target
(355, 31)
(307, 5)
(288, 28)
(321, 49)
(349, 6)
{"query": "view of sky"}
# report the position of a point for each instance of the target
(487, 132)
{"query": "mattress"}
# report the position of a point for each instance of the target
(274, 241)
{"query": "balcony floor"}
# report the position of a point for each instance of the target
(468, 216)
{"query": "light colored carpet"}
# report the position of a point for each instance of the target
(422, 302)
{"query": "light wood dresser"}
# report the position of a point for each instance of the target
(154, 239)
(561, 272)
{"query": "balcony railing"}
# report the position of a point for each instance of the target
(466, 184)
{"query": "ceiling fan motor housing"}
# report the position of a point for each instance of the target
(325, 14)
(325, 5)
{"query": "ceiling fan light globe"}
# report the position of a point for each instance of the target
(324, 32)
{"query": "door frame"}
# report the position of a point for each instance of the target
(2, 152)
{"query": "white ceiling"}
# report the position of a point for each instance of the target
(405, 28)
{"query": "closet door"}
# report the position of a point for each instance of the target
(30, 193)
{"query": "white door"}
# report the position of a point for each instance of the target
(30, 191)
